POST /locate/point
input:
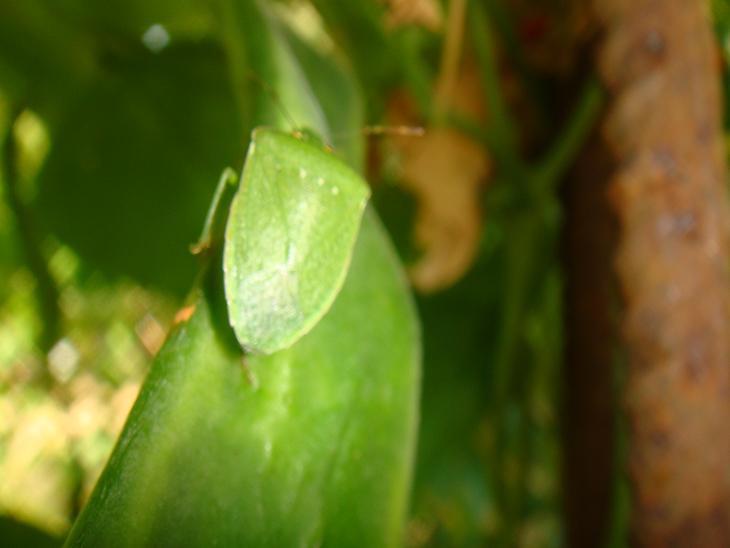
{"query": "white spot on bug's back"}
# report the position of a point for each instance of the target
(320, 181)
(302, 173)
(335, 191)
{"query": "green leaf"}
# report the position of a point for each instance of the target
(182, 19)
(392, 58)
(289, 239)
(311, 446)
(271, 86)
(329, 77)
(46, 56)
(355, 23)
(18, 533)
(135, 160)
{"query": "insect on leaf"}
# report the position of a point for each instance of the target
(289, 239)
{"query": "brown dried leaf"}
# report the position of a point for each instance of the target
(423, 13)
(444, 170)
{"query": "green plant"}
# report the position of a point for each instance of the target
(399, 325)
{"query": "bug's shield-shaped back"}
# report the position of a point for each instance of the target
(289, 239)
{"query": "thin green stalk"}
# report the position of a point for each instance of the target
(416, 72)
(497, 11)
(502, 140)
(237, 53)
(551, 169)
(47, 292)
(501, 126)
(519, 277)
(530, 187)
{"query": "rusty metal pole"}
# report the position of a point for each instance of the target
(658, 60)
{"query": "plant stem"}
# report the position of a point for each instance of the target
(503, 135)
(520, 274)
(551, 169)
(47, 294)
(450, 57)
(529, 225)
(531, 85)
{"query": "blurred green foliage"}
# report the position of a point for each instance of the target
(123, 114)
(142, 173)
(139, 115)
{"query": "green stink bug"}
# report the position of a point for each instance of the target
(289, 239)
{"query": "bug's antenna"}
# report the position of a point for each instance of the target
(380, 130)
(271, 91)
(401, 131)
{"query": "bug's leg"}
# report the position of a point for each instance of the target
(216, 217)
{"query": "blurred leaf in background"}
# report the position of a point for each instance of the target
(143, 146)
(104, 190)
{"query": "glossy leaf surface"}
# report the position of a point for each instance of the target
(311, 446)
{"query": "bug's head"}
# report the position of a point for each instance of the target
(310, 136)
